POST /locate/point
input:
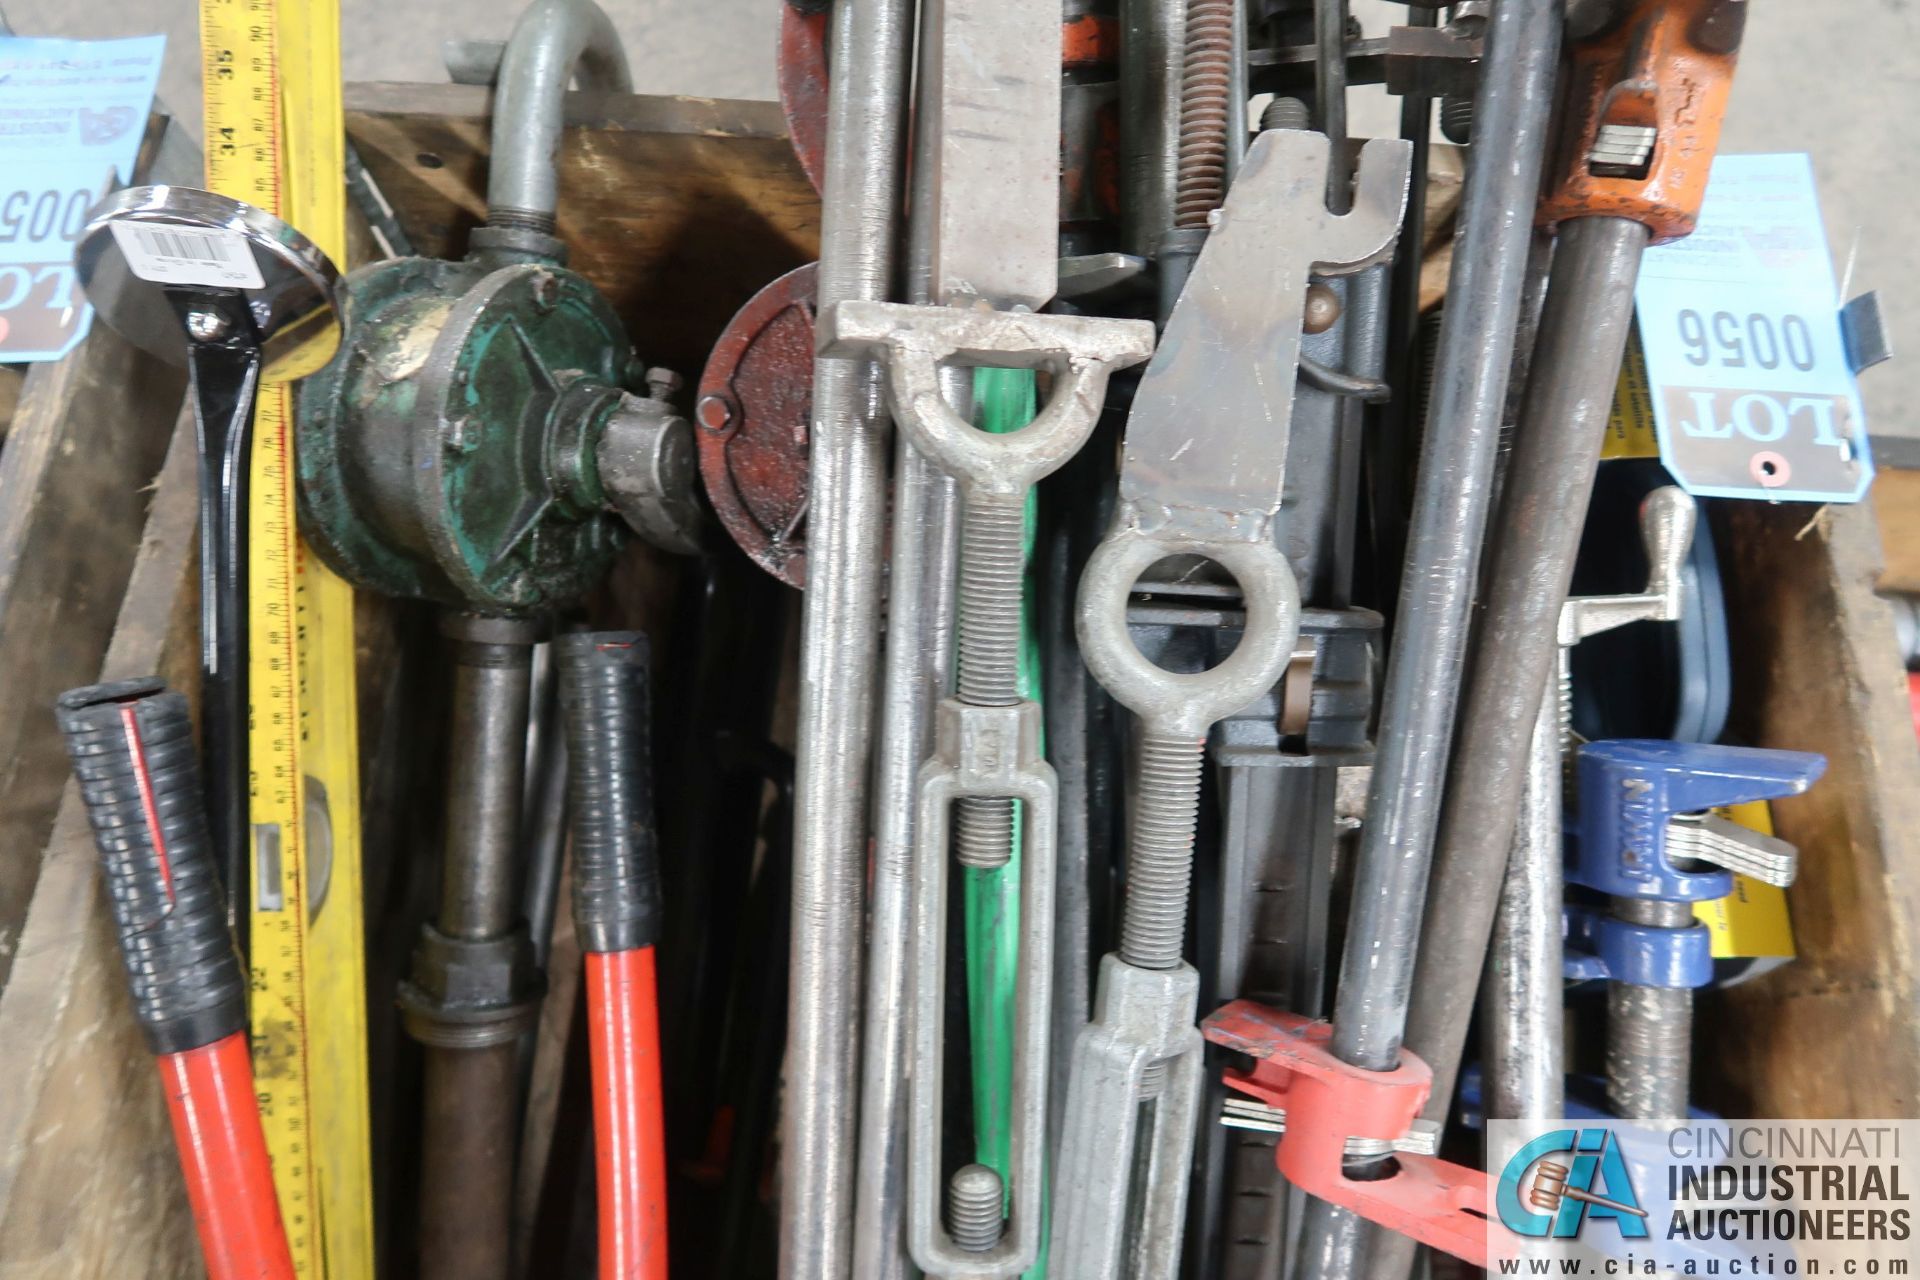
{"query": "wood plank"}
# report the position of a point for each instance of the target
(85, 443)
(678, 209)
(89, 1184)
(1896, 499)
(1836, 1033)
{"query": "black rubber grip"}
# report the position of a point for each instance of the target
(131, 743)
(616, 865)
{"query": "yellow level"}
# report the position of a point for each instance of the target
(275, 136)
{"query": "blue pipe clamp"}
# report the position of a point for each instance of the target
(1631, 789)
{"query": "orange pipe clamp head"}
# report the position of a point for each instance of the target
(1327, 1101)
(1642, 121)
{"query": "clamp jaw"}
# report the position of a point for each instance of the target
(1650, 94)
(1330, 1105)
(1643, 833)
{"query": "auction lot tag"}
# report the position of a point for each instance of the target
(72, 114)
(1752, 393)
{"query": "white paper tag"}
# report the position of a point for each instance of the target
(169, 254)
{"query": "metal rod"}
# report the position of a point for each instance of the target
(918, 670)
(1152, 53)
(1525, 1075)
(1395, 433)
(1449, 522)
(1330, 95)
(1583, 334)
(846, 505)
(544, 826)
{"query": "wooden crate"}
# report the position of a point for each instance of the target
(1837, 1032)
(678, 208)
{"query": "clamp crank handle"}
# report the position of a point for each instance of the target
(1668, 517)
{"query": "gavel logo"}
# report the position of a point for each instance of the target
(1550, 1188)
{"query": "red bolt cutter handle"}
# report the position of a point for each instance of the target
(131, 744)
(223, 1153)
(630, 1154)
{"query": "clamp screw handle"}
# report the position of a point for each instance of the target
(1668, 517)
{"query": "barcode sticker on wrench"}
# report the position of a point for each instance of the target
(166, 254)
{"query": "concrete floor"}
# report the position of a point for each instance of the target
(1839, 79)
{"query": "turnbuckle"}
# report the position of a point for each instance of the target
(1205, 461)
(987, 740)
(1329, 1104)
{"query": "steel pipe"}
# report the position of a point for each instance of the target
(553, 42)
(1449, 523)
(839, 646)
(1583, 335)
(479, 877)
(469, 1116)
(1152, 54)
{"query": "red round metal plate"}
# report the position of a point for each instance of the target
(751, 418)
(803, 88)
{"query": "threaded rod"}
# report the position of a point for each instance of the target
(1160, 859)
(1206, 82)
(974, 1200)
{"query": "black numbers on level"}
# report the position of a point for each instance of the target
(1755, 341)
(43, 215)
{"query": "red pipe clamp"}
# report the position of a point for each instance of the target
(1328, 1101)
